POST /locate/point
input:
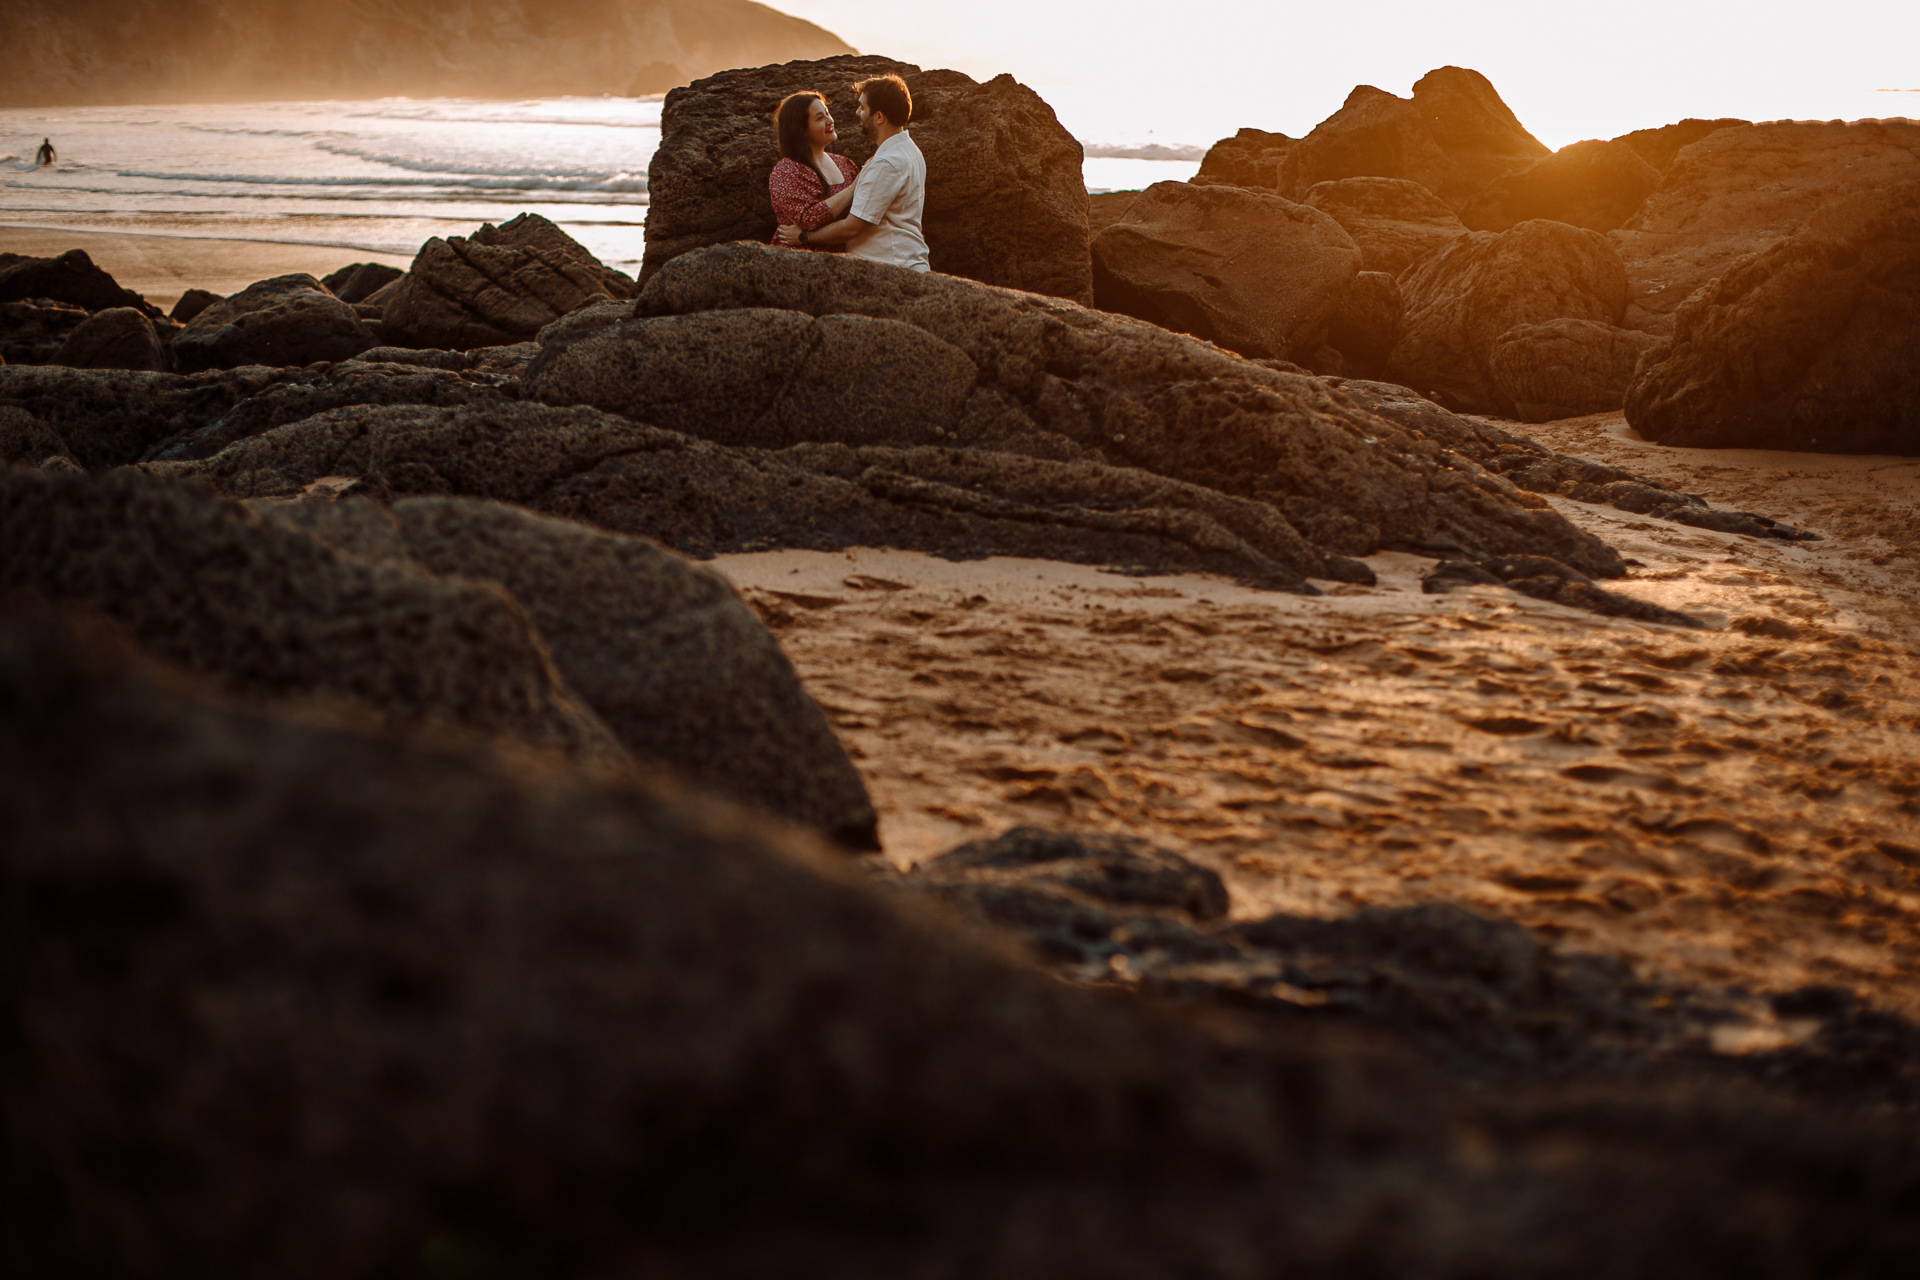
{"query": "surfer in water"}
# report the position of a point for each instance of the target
(45, 154)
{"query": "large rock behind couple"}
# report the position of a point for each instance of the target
(1006, 202)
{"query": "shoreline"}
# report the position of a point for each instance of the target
(163, 267)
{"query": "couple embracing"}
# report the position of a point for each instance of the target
(828, 203)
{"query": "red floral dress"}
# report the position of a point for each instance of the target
(798, 200)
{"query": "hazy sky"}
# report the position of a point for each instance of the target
(1193, 72)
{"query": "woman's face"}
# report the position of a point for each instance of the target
(819, 124)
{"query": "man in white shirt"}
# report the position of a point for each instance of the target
(890, 195)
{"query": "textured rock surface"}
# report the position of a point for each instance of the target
(1453, 136)
(1739, 190)
(1658, 147)
(1107, 208)
(1564, 368)
(112, 417)
(1252, 272)
(360, 280)
(663, 652)
(469, 1010)
(1251, 158)
(268, 611)
(1367, 321)
(71, 278)
(1006, 202)
(500, 286)
(117, 338)
(31, 331)
(1395, 222)
(286, 321)
(1461, 299)
(26, 440)
(191, 304)
(1810, 345)
(1596, 185)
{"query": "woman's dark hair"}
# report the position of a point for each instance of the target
(790, 125)
(888, 95)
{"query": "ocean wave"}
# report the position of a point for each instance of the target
(611, 184)
(1143, 151)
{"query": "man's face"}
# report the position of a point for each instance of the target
(866, 118)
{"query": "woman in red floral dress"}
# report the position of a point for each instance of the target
(810, 187)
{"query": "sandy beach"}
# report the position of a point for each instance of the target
(1732, 806)
(161, 268)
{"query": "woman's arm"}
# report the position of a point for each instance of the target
(795, 192)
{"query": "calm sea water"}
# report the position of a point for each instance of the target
(379, 176)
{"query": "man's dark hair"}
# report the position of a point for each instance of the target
(790, 125)
(888, 95)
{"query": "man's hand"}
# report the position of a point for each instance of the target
(790, 235)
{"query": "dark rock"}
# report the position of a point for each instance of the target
(1810, 345)
(1251, 158)
(1063, 381)
(1006, 201)
(361, 280)
(1460, 300)
(1740, 190)
(1453, 136)
(27, 441)
(1395, 222)
(1547, 579)
(71, 278)
(1107, 208)
(114, 417)
(286, 321)
(31, 331)
(1254, 273)
(117, 338)
(1596, 185)
(191, 304)
(267, 611)
(1367, 321)
(1658, 147)
(1565, 368)
(664, 653)
(501, 286)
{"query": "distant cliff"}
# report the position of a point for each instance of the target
(75, 52)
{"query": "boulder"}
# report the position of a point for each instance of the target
(500, 286)
(1252, 272)
(29, 442)
(117, 338)
(270, 612)
(1658, 147)
(1395, 222)
(360, 280)
(71, 278)
(32, 330)
(1596, 185)
(287, 321)
(1460, 300)
(1251, 158)
(1366, 322)
(1809, 345)
(191, 304)
(1453, 136)
(1107, 208)
(1741, 189)
(1565, 368)
(1006, 202)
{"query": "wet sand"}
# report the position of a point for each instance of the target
(1736, 806)
(161, 268)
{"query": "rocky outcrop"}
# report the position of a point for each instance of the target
(1006, 202)
(1809, 345)
(1658, 147)
(112, 417)
(664, 653)
(1366, 322)
(1565, 368)
(1107, 208)
(1395, 222)
(1741, 189)
(117, 338)
(191, 304)
(31, 331)
(29, 442)
(1460, 300)
(286, 321)
(1453, 136)
(1251, 158)
(500, 286)
(70, 278)
(1596, 185)
(360, 280)
(1252, 272)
